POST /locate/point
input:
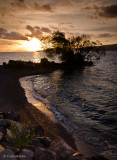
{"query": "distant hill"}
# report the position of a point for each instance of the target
(111, 47)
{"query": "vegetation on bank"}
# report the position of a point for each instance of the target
(20, 139)
(76, 50)
(26, 143)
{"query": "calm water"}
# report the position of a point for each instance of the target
(24, 56)
(85, 100)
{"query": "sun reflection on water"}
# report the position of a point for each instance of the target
(36, 57)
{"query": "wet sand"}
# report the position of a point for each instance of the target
(12, 97)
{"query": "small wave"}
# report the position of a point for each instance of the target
(84, 101)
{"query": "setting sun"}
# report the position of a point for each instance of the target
(33, 45)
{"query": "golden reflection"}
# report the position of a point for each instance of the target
(36, 57)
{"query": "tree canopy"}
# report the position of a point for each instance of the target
(77, 50)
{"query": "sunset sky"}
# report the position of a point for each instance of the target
(22, 22)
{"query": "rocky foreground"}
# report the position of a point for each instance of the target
(37, 149)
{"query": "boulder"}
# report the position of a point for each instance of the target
(1, 148)
(5, 144)
(36, 143)
(44, 154)
(1, 116)
(98, 158)
(27, 154)
(1, 136)
(7, 154)
(62, 149)
(3, 122)
(15, 150)
(12, 115)
(44, 140)
(39, 131)
(30, 147)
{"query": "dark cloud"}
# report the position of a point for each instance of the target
(103, 11)
(63, 2)
(43, 8)
(87, 8)
(105, 35)
(69, 24)
(65, 23)
(18, 3)
(53, 27)
(2, 31)
(109, 11)
(44, 29)
(12, 35)
(35, 31)
(46, 7)
(29, 5)
(21, 0)
(106, 29)
(30, 28)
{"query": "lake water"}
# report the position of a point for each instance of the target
(24, 56)
(85, 100)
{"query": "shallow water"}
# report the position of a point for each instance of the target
(85, 100)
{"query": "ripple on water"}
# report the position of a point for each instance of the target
(86, 100)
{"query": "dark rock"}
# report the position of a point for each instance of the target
(75, 99)
(44, 140)
(1, 148)
(63, 150)
(39, 131)
(30, 147)
(97, 158)
(36, 143)
(12, 116)
(1, 116)
(27, 154)
(4, 144)
(4, 64)
(1, 136)
(7, 154)
(3, 122)
(44, 154)
(15, 150)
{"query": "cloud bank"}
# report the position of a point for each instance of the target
(36, 31)
(108, 12)
(11, 35)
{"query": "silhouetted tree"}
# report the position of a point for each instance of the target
(71, 50)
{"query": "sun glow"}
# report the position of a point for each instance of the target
(33, 45)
